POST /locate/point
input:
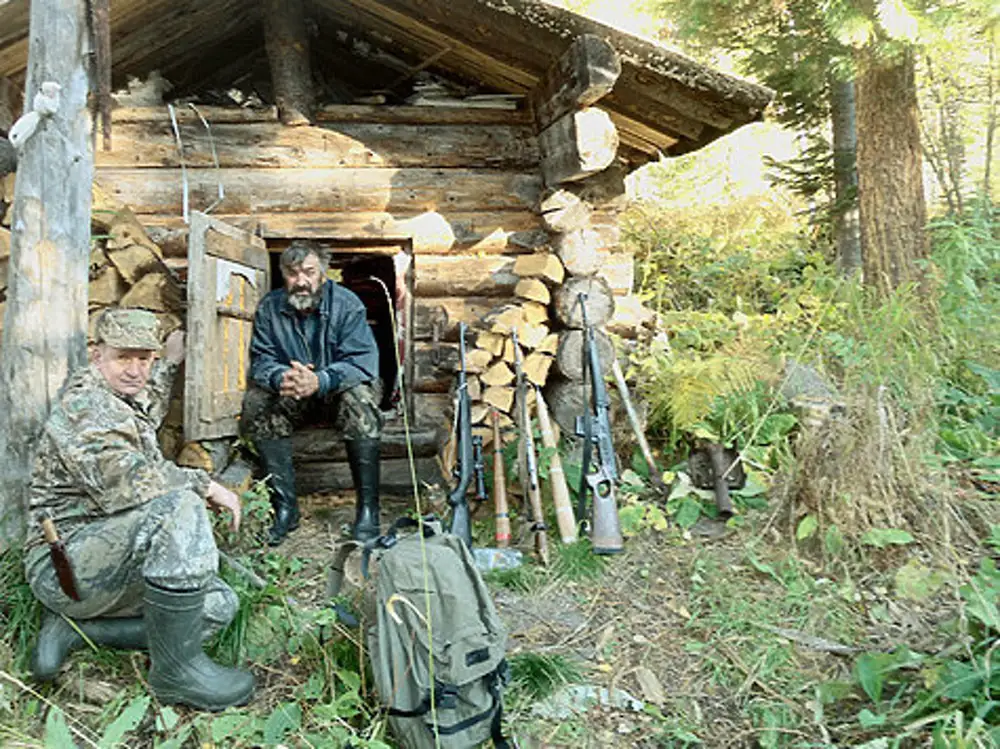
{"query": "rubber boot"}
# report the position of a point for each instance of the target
(363, 457)
(181, 673)
(276, 457)
(57, 639)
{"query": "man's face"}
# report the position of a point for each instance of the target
(126, 370)
(302, 282)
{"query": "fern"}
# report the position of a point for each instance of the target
(695, 384)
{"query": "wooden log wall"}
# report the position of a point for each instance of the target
(494, 246)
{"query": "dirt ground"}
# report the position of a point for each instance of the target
(625, 629)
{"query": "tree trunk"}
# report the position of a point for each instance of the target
(890, 184)
(846, 228)
(287, 44)
(44, 332)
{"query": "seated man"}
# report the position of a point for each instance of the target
(135, 528)
(313, 356)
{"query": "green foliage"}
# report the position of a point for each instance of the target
(953, 694)
(19, 611)
(535, 676)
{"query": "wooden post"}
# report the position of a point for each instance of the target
(287, 46)
(44, 331)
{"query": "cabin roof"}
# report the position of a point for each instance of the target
(663, 101)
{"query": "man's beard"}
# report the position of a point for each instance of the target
(304, 301)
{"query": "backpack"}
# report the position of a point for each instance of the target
(467, 639)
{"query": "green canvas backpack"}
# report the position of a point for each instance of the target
(435, 642)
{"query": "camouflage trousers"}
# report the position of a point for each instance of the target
(167, 541)
(353, 412)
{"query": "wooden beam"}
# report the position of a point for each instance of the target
(455, 275)
(430, 233)
(577, 145)
(267, 144)
(45, 325)
(579, 78)
(412, 191)
(287, 44)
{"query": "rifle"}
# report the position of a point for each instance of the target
(595, 428)
(531, 459)
(557, 477)
(461, 520)
(500, 487)
(478, 469)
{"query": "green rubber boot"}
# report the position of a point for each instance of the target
(57, 639)
(363, 459)
(181, 673)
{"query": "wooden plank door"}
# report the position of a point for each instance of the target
(229, 272)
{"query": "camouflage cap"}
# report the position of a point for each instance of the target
(128, 328)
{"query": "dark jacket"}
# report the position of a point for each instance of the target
(343, 349)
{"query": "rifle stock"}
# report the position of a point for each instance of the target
(532, 488)
(557, 477)
(500, 487)
(461, 519)
(605, 532)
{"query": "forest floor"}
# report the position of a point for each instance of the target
(715, 637)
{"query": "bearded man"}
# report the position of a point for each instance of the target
(313, 357)
(139, 543)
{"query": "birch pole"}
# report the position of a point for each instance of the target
(45, 327)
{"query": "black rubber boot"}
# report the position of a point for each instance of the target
(57, 639)
(363, 457)
(276, 457)
(181, 673)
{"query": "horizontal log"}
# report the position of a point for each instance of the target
(159, 191)
(583, 74)
(600, 302)
(4, 243)
(453, 275)
(578, 145)
(391, 115)
(395, 476)
(430, 232)
(321, 444)
(448, 312)
(570, 357)
(434, 367)
(563, 211)
(264, 145)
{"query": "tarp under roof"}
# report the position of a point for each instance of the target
(663, 102)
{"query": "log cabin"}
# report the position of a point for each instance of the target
(463, 159)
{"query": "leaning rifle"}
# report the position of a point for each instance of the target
(595, 428)
(461, 520)
(530, 481)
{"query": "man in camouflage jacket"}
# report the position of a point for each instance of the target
(313, 357)
(134, 525)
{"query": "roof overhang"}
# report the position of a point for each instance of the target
(663, 102)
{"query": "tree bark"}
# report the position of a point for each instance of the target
(44, 332)
(287, 44)
(890, 181)
(846, 228)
